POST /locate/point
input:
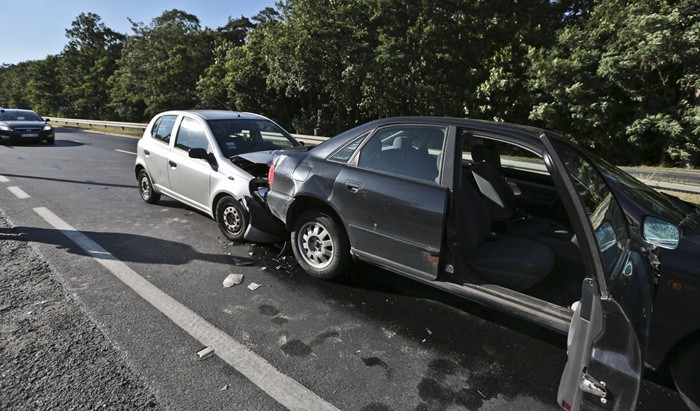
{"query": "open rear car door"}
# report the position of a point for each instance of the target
(609, 329)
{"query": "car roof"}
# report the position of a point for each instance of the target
(18, 110)
(527, 135)
(218, 114)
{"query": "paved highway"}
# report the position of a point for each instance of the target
(151, 277)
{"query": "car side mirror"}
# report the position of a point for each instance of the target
(199, 153)
(660, 233)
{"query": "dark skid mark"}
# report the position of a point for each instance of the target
(268, 310)
(279, 320)
(296, 348)
(374, 361)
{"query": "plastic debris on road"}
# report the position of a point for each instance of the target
(253, 286)
(205, 353)
(233, 279)
(224, 388)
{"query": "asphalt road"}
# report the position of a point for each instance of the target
(369, 341)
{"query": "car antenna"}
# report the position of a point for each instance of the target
(226, 105)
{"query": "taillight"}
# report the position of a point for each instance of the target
(271, 174)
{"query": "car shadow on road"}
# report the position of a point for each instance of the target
(56, 144)
(125, 247)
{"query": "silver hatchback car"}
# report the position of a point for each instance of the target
(216, 162)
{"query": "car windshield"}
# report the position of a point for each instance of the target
(16, 115)
(665, 207)
(238, 136)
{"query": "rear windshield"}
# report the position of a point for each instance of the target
(15, 115)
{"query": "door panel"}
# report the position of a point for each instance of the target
(392, 217)
(190, 178)
(609, 331)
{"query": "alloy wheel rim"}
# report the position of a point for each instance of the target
(145, 188)
(315, 245)
(232, 219)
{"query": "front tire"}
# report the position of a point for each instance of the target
(685, 368)
(146, 190)
(232, 218)
(320, 245)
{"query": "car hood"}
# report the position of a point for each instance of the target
(256, 163)
(13, 124)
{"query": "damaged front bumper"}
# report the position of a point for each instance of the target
(263, 227)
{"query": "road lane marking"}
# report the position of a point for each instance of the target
(18, 192)
(277, 385)
(4, 179)
(124, 151)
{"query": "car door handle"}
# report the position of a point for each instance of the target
(172, 164)
(146, 153)
(353, 186)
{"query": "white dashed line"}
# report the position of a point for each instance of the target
(125, 152)
(18, 192)
(277, 385)
(4, 179)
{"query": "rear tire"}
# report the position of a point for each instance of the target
(685, 368)
(146, 190)
(320, 245)
(233, 219)
(50, 140)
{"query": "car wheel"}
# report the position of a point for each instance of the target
(320, 245)
(685, 368)
(146, 188)
(50, 140)
(232, 218)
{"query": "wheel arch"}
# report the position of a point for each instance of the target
(308, 202)
(215, 202)
(137, 170)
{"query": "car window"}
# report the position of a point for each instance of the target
(604, 213)
(344, 154)
(500, 154)
(15, 115)
(238, 136)
(191, 135)
(163, 128)
(409, 150)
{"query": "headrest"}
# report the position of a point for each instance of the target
(478, 154)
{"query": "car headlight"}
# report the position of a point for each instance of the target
(48, 127)
(5, 128)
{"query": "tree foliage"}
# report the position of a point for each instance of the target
(616, 76)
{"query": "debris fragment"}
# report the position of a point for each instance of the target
(224, 388)
(429, 332)
(423, 340)
(253, 286)
(242, 262)
(233, 279)
(251, 253)
(205, 353)
(263, 268)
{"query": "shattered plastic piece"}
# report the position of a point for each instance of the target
(251, 253)
(429, 332)
(423, 340)
(243, 262)
(263, 268)
(233, 279)
(224, 388)
(205, 353)
(253, 286)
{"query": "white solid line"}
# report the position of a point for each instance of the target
(124, 151)
(4, 179)
(277, 385)
(18, 192)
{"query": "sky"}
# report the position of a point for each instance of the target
(34, 29)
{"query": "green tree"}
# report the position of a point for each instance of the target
(625, 81)
(88, 60)
(160, 66)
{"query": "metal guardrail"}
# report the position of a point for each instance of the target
(306, 139)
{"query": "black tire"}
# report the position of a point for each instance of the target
(320, 245)
(50, 140)
(148, 194)
(685, 368)
(233, 219)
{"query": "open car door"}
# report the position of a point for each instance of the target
(609, 329)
